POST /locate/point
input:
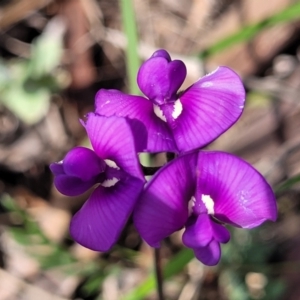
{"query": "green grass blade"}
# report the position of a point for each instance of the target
(132, 58)
(174, 266)
(248, 32)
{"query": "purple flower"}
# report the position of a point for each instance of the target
(114, 167)
(177, 122)
(200, 191)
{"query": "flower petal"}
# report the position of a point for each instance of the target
(83, 163)
(162, 53)
(163, 207)
(160, 79)
(111, 138)
(241, 195)
(221, 234)
(209, 255)
(98, 224)
(210, 106)
(72, 186)
(198, 234)
(57, 168)
(153, 135)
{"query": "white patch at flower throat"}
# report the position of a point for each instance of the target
(209, 204)
(111, 164)
(191, 204)
(110, 182)
(159, 112)
(177, 109)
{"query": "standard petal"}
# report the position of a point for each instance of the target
(198, 234)
(83, 163)
(210, 106)
(163, 206)
(112, 139)
(160, 79)
(209, 255)
(162, 53)
(153, 136)
(98, 224)
(241, 195)
(176, 75)
(72, 186)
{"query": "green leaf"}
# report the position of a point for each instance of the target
(32, 237)
(8, 203)
(28, 105)
(249, 32)
(25, 97)
(58, 257)
(19, 236)
(93, 282)
(27, 92)
(4, 75)
(173, 267)
(47, 50)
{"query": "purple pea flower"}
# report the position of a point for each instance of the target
(114, 167)
(177, 122)
(201, 191)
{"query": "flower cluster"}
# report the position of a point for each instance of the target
(199, 190)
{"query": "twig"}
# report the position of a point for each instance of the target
(19, 10)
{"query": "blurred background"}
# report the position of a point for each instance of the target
(55, 55)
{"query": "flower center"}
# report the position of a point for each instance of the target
(112, 173)
(177, 109)
(111, 164)
(169, 111)
(203, 205)
(191, 205)
(110, 182)
(159, 113)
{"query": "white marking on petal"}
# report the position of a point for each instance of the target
(106, 102)
(110, 182)
(243, 197)
(60, 162)
(159, 112)
(241, 106)
(111, 164)
(207, 84)
(209, 204)
(191, 204)
(177, 109)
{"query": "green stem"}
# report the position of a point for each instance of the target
(132, 58)
(157, 259)
(158, 274)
